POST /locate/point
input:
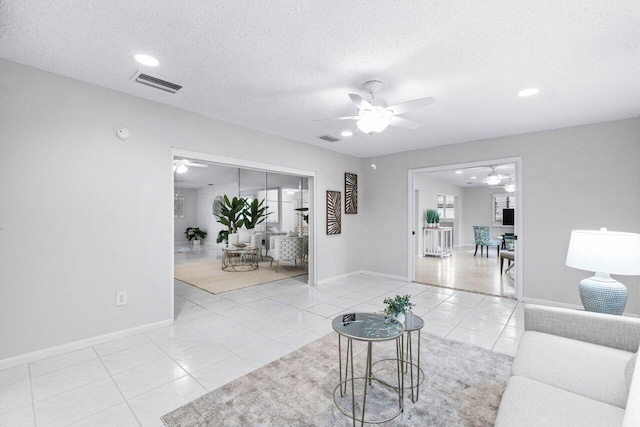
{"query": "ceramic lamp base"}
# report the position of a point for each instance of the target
(600, 296)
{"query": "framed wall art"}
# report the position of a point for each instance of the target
(334, 220)
(350, 193)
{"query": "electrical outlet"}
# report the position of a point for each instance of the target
(121, 298)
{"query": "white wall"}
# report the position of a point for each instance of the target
(477, 211)
(190, 219)
(583, 172)
(63, 255)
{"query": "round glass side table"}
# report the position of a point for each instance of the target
(369, 328)
(413, 323)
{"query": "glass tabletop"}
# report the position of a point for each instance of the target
(413, 322)
(367, 326)
(239, 249)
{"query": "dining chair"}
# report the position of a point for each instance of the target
(483, 238)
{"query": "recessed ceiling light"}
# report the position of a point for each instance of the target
(458, 172)
(474, 177)
(147, 60)
(528, 92)
(346, 133)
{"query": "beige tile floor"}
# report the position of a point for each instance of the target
(218, 338)
(464, 271)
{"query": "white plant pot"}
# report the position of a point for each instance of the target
(196, 242)
(400, 317)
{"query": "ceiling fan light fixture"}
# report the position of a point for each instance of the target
(373, 121)
(493, 180)
(373, 125)
(509, 188)
(181, 168)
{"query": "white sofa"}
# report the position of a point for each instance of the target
(573, 368)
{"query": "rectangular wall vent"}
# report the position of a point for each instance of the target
(329, 138)
(148, 80)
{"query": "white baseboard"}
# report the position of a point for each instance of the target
(334, 278)
(386, 276)
(77, 345)
(355, 273)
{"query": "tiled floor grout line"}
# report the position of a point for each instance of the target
(33, 402)
(126, 401)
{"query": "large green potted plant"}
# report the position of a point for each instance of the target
(398, 306)
(195, 233)
(254, 213)
(230, 216)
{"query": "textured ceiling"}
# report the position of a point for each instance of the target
(277, 65)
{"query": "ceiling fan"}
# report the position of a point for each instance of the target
(374, 115)
(493, 179)
(182, 165)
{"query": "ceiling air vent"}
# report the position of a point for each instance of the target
(148, 80)
(329, 138)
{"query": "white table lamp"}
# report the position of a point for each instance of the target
(604, 252)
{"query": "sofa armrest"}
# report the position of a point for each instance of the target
(619, 332)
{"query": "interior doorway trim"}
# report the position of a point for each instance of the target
(519, 223)
(267, 167)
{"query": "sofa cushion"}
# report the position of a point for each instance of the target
(628, 370)
(632, 413)
(590, 370)
(530, 403)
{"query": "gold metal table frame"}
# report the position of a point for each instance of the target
(239, 259)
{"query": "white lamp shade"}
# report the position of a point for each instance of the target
(604, 251)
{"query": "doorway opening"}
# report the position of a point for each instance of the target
(476, 244)
(289, 194)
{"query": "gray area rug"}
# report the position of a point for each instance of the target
(462, 387)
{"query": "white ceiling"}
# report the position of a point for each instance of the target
(277, 65)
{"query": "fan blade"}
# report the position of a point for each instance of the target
(197, 165)
(399, 122)
(338, 118)
(360, 102)
(410, 105)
